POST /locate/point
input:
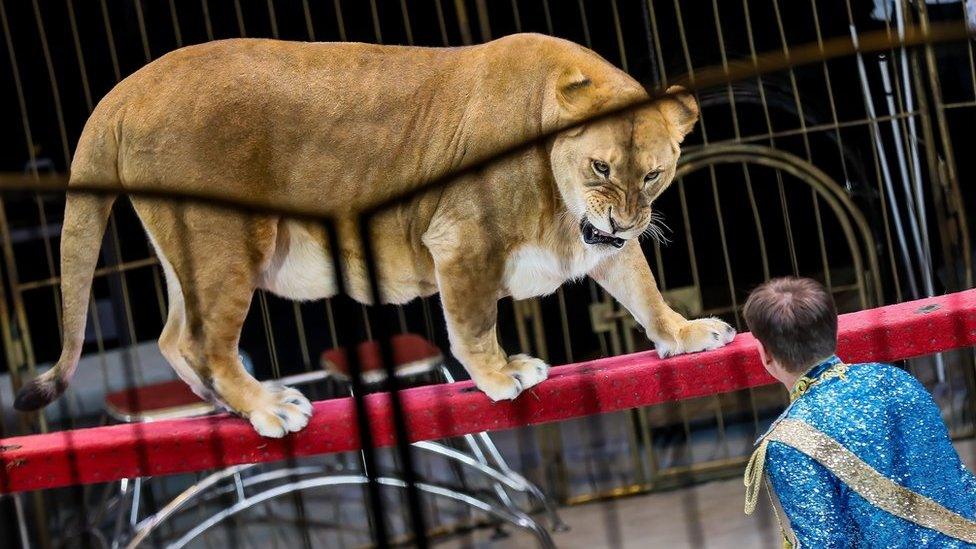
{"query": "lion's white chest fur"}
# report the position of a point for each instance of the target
(300, 268)
(534, 270)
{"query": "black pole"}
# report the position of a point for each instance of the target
(359, 398)
(399, 421)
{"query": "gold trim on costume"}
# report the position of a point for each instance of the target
(754, 480)
(877, 489)
(803, 384)
(753, 476)
(755, 466)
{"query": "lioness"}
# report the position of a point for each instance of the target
(341, 126)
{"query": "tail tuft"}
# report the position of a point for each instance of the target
(40, 392)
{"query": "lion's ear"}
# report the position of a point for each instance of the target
(681, 111)
(574, 96)
(574, 92)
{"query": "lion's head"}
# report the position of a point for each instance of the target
(609, 171)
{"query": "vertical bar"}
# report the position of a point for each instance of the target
(110, 38)
(801, 115)
(330, 319)
(882, 159)
(947, 148)
(893, 96)
(538, 329)
(85, 87)
(309, 27)
(745, 172)
(564, 324)
(5, 235)
(339, 21)
(696, 281)
(548, 15)
(140, 18)
(406, 21)
(176, 23)
(40, 510)
(240, 18)
(516, 16)
(969, 44)
(651, 53)
(273, 19)
(380, 534)
(833, 114)
(399, 421)
(658, 51)
(912, 141)
(695, 529)
(302, 339)
(93, 311)
(830, 93)
(584, 21)
(66, 150)
(441, 23)
(483, 24)
(13, 363)
(620, 35)
(373, 10)
(464, 24)
(932, 163)
(208, 25)
(791, 245)
(725, 248)
(270, 344)
(55, 92)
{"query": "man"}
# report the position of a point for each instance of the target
(861, 457)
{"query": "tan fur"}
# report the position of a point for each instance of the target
(340, 126)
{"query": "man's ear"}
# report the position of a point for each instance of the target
(766, 358)
(680, 110)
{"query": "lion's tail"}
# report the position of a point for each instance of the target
(85, 218)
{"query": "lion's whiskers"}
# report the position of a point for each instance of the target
(655, 229)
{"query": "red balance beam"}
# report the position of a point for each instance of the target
(124, 451)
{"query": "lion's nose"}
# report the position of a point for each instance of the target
(616, 226)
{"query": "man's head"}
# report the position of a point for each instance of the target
(795, 323)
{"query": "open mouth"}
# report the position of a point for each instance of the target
(592, 235)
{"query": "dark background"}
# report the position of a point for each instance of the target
(35, 120)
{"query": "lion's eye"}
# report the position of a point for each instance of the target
(651, 177)
(601, 168)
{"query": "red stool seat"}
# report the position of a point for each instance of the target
(412, 355)
(170, 399)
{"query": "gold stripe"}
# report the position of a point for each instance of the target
(877, 489)
(752, 479)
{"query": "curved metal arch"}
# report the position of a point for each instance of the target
(512, 480)
(843, 207)
(520, 520)
(189, 497)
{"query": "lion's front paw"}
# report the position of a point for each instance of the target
(703, 334)
(528, 370)
(283, 410)
(521, 373)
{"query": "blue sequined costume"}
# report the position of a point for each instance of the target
(888, 420)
